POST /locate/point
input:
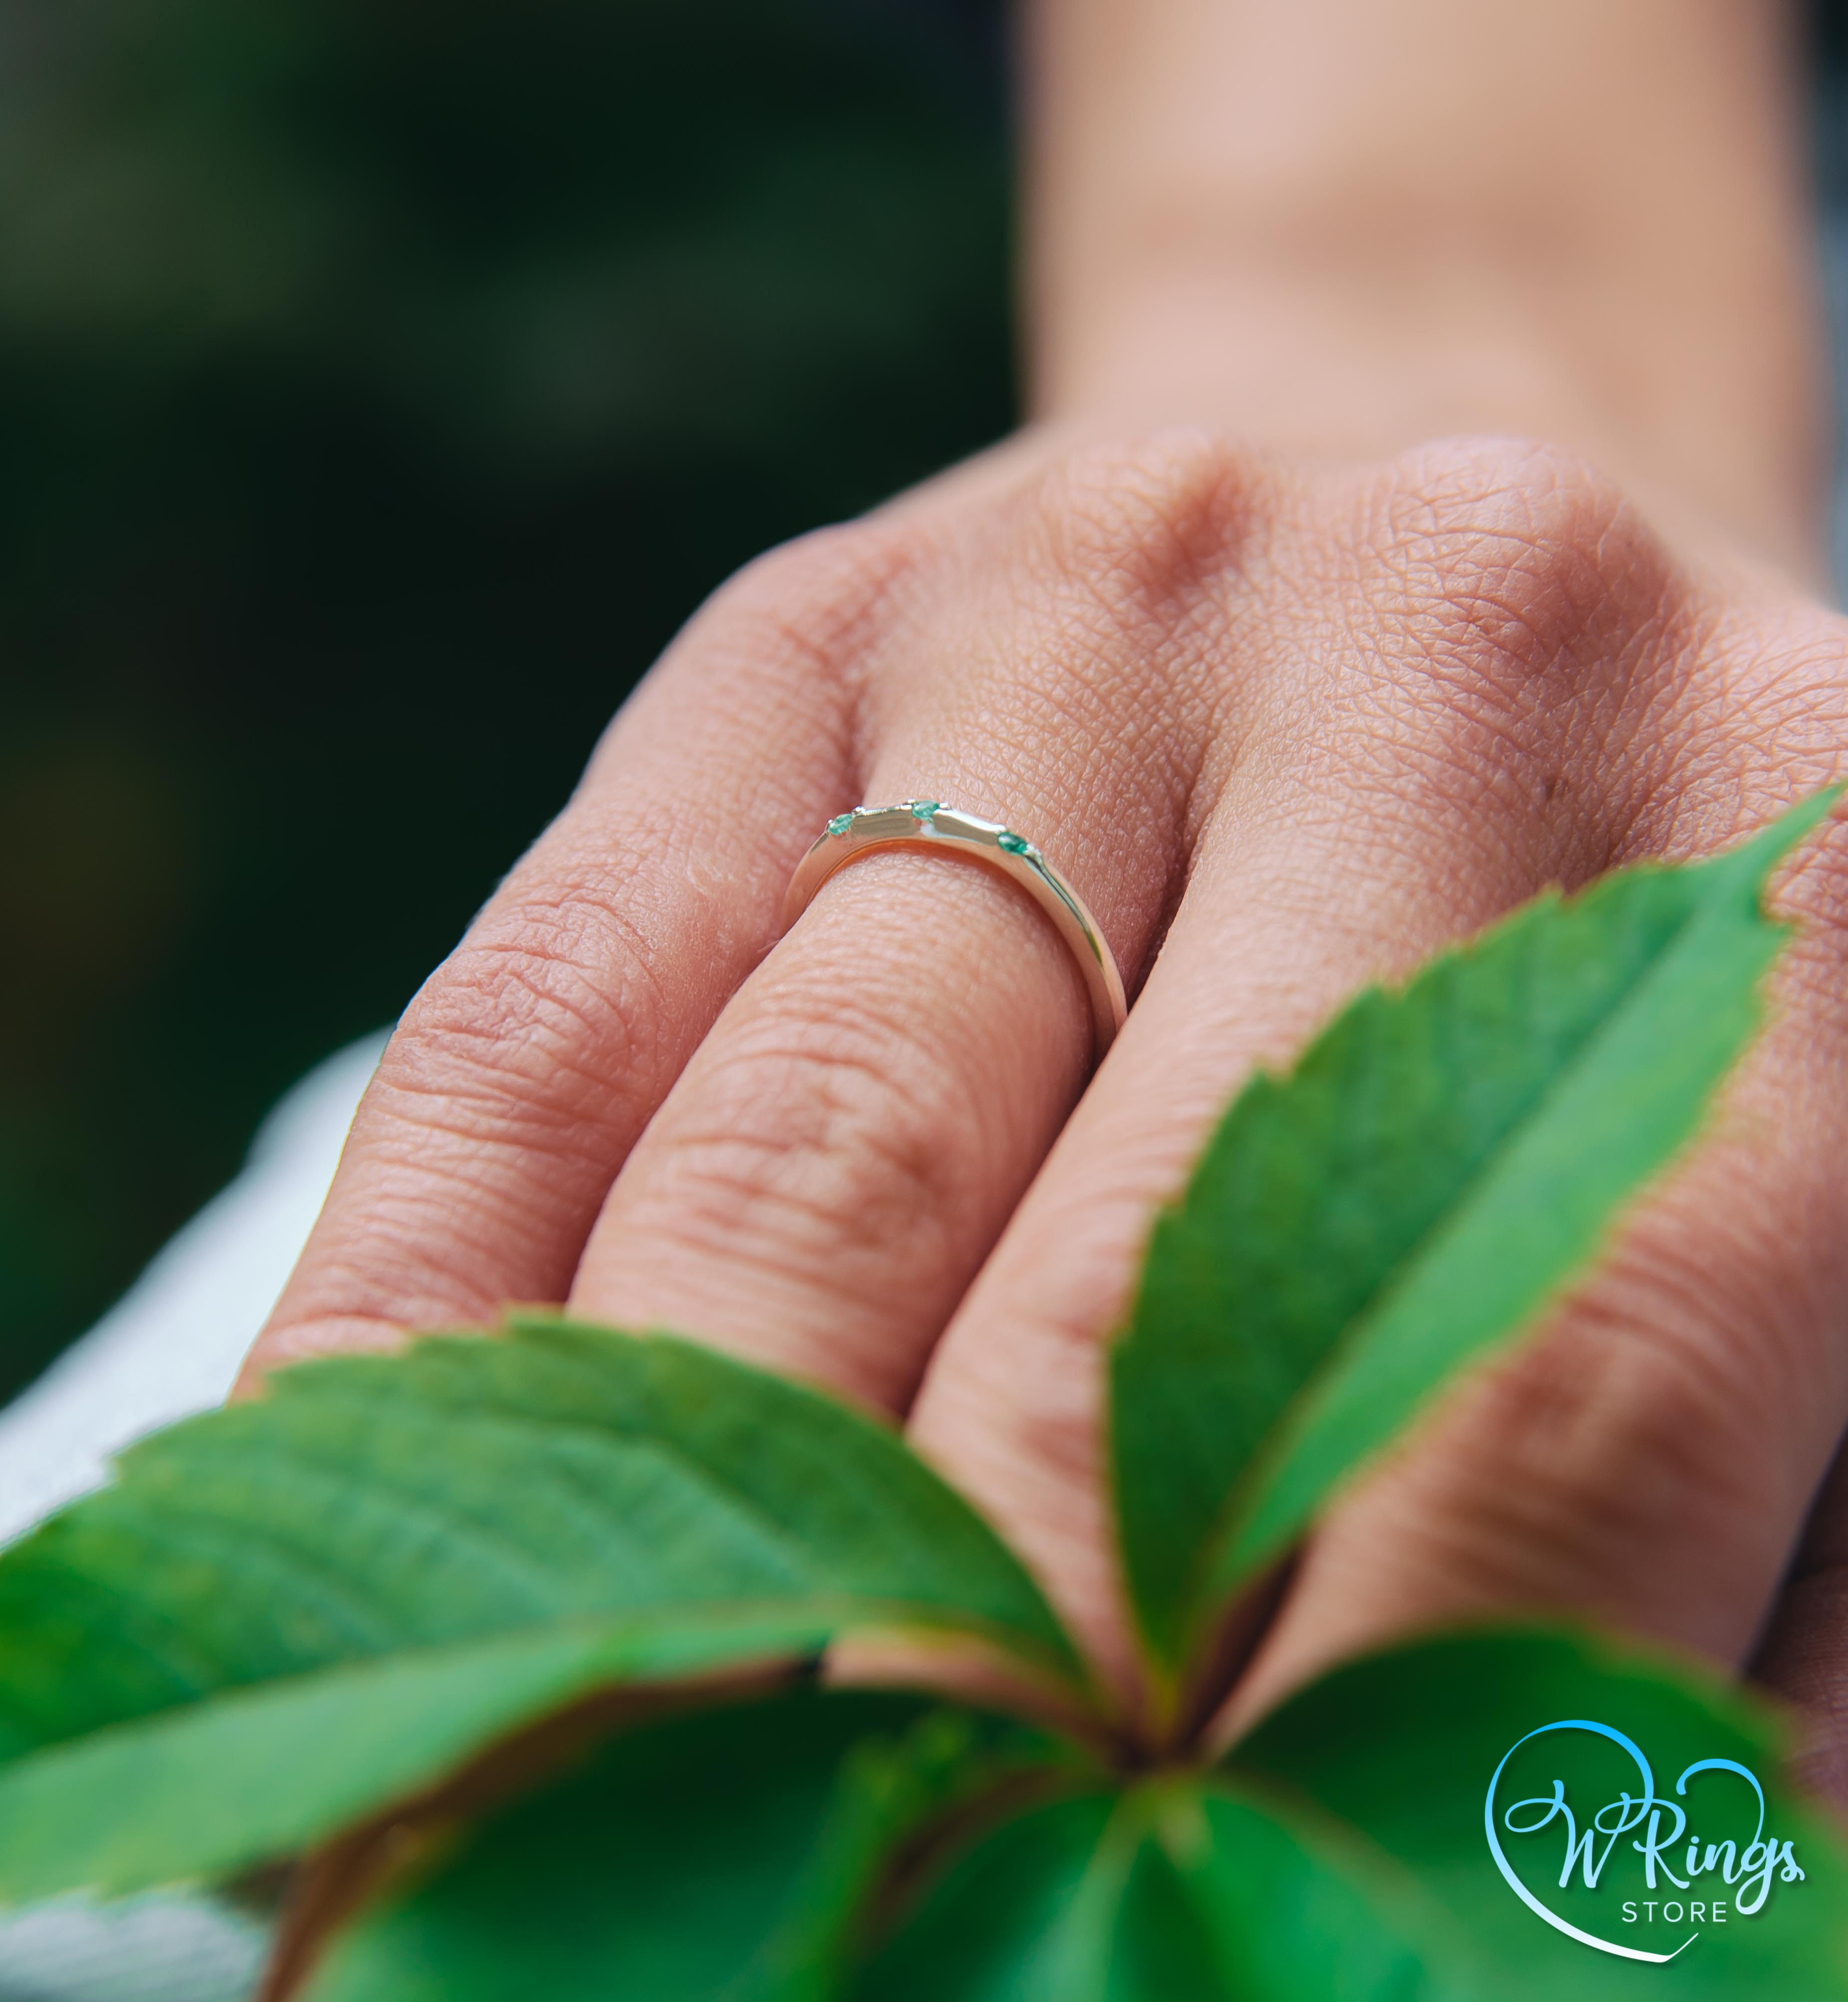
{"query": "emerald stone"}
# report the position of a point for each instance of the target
(840, 824)
(923, 809)
(1015, 844)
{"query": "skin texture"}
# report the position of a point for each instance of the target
(1315, 622)
(1347, 229)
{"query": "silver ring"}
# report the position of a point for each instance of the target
(929, 824)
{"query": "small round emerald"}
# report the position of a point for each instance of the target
(840, 824)
(1015, 844)
(923, 809)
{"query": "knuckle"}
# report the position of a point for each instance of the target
(1512, 556)
(826, 1140)
(1144, 518)
(812, 616)
(1516, 617)
(538, 1020)
(1764, 718)
(823, 594)
(1123, 553)
(1786, 677)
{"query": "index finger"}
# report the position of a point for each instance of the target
(524, 1068)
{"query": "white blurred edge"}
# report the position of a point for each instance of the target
(172, 1345)
(166, 1948)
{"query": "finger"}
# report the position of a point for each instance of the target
(824, 1181)
(1804, 1656)
(523, 1070)
(1649, 1455)
(832, 1166)
(1476, 647)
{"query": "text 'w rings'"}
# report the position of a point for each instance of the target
(928, 823)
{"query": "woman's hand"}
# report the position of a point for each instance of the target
(1291, 706)
(1287, 728)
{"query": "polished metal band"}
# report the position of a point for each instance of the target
(928, 823)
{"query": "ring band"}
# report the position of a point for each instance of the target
(929, 824)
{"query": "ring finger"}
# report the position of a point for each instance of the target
(835, 1163)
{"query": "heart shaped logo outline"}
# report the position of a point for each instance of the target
(1645, 1800)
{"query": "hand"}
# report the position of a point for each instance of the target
(1287, 728)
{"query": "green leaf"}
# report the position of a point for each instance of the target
(467, 1491)
(1177, 1891)
(1397, 1753)
(1293, 1911)
(1339, 1852)
(1021, 1917)
(214, 1788)
(1439, 1164)
(728, 1853)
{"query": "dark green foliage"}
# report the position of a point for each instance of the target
(727, 1853)
(380, 386)
(1177, 1892)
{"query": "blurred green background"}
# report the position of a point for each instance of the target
(380, 385)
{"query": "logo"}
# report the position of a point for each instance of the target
(1687, 1878)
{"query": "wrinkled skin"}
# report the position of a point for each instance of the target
(1287, 728)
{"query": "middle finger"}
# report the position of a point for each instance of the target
(1457, 652)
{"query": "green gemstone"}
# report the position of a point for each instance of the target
(1015, 844)
(840, 824)
(923, 809)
